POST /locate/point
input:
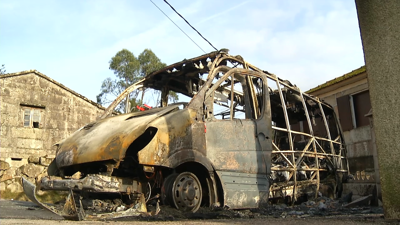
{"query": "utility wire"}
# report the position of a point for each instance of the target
(190, 25)
(178, 26)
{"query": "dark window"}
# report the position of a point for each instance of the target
(344, 108)
(362, 105)
(331, 122)
(36, 119)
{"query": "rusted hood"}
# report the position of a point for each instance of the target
(106, 139)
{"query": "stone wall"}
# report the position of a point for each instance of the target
(10, 177)
(56, 112)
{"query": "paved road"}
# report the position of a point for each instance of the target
(24, 210)
(20, 212)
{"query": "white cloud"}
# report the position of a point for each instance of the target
(219, 14)
(316, 48)
(307, 43)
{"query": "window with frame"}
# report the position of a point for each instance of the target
(352, 110)
(32, 116)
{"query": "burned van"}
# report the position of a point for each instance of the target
(243, 137)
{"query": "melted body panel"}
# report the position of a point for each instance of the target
(106, 139)
(173, 135)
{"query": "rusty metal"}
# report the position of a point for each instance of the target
(92, 182)
(72, 212)
(244, 190)
(233, 144)
(106, 139)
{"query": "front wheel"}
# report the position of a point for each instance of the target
(187, 192)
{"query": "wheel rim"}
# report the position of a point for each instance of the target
(186, 192)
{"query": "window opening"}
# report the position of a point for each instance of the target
(362, 105)
(352, 110)
(331, 121)
(345, 112)
(229, 100)
(236, 96)
(36, 119)
(32, 117)
(280, 133)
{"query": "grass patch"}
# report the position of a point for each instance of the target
(44, 196)
(7, 194)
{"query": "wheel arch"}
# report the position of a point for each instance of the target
(188, 156)
(195, 162)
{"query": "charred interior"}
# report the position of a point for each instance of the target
(130, 166)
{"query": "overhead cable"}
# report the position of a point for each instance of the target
(190, 25)
(178, 26)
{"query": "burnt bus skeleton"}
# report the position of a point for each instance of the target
(270, 141)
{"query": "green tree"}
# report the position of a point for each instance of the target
(2, 70)
(128, 70)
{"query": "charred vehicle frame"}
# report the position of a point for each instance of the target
(245, 137)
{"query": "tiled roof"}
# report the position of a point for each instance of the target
(26, 72)
(338, 79)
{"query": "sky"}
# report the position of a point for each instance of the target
(306, 42)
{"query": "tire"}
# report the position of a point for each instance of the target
(166, 190)
(187, 192)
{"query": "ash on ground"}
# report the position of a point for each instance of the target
(319, 207)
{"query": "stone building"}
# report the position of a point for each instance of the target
(36, 112)
(349, 96)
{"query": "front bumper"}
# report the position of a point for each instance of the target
(92, 183)
(71, 211)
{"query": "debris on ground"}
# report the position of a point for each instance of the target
(360, 202)
(318, 207)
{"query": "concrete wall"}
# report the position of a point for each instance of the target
(62, 111)
(380, 33)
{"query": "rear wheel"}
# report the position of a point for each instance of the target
(185, 191)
